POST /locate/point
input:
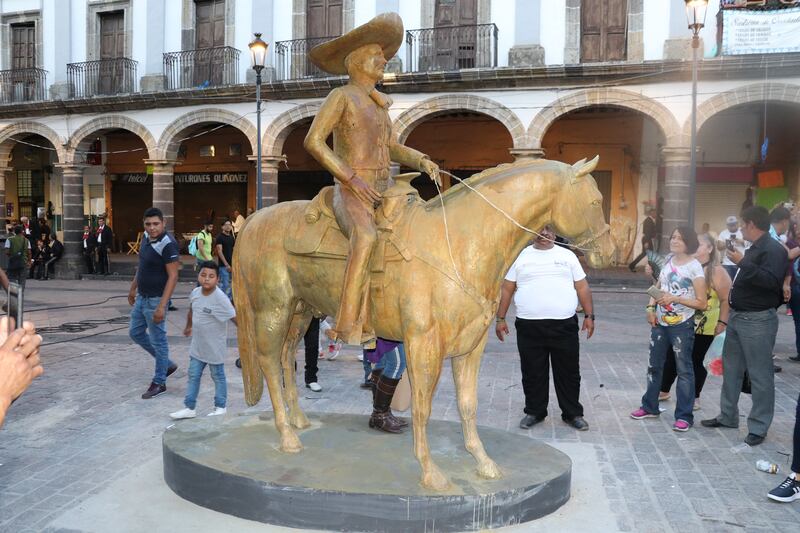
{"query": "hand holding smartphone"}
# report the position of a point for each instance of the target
(14, 306)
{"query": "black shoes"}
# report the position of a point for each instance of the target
(171, 369)
(714, 423)
(172, 308)
(529, 421)
(238, 363)
(753, 440)
(154, 390)
(578, 423)
(795, 358)
(776, 368)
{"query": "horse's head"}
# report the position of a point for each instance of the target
(578, 213)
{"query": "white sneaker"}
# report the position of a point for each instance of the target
(314, 386)
(183, 413)
(218, 411)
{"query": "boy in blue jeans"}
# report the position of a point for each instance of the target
(207, 324)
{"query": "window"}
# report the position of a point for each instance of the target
(23, 46)
(604, 30)
(323, 18)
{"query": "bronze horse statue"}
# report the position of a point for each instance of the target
(289, 265)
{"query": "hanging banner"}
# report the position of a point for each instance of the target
(760, 32)
(202, 178)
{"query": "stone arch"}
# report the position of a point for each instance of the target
(78, 141)
(610, 97)
(746, 94)
(20, 129)
(412, 117)
(279, 129)
(171, 139)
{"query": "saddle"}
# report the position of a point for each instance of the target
(317, 233)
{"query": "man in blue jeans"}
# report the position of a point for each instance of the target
(150, 293)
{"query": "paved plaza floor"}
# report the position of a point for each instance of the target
(80, 451)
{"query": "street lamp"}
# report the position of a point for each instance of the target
(696, 18)
(258, 56)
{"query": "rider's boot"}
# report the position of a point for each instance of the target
(382, 418)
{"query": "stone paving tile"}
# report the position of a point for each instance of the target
(83, 425)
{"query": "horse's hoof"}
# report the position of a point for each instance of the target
(435, 480)
(291, 444)
(489, 470)
(300, 421)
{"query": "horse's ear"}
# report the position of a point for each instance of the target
(583, 168)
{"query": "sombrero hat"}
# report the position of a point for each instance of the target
(385, 30)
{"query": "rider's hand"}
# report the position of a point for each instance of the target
(363, 190)
(431, 169)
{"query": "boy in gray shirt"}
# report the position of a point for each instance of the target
(207, 324)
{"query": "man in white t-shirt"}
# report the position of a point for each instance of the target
(733, 235)
(547, 282)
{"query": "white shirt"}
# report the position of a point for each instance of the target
(726, 235)
(100, 234)
(546, 283)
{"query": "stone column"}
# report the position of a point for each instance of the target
(73, 220)
(163, 191)
(527, 153)
(269, 178)
(4, 172)
(678, 45)
(675, 192)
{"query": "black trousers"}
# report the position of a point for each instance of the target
(701, 345)
(88, 259)
(311, 342)
(102, 259)
(541, 342)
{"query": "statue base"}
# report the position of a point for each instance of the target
(352, 478)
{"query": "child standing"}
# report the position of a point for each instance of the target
(209, 311)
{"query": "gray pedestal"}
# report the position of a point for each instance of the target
(352, 478)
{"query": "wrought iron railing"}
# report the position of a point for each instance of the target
(102, 77)
(291, 58)
(22, 85)
(451, 48)
(201, 68)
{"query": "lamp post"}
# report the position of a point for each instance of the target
(696, 17)
(258, 56)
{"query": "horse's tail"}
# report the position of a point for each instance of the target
(246, 319)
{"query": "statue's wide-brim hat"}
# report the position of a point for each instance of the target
(385, 30)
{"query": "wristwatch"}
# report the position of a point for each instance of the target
(589, 315)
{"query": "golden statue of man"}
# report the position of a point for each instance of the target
(363, 147)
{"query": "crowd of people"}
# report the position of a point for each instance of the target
(705, 286)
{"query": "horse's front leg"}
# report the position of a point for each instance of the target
(465, 376)
(424, 359)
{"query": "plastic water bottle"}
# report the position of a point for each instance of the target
(766, 466)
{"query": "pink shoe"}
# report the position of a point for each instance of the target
(681, 425)
(640, 413)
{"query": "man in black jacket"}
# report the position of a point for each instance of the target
(56, 251)
(105, 238)
(88, 244)
(649, 236)
(756, 293)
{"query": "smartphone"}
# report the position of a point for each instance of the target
(729, 244)
(14, 305)
(655, 293)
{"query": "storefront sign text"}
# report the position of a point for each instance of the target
(225, 177)
(761, 32)
(133, 178)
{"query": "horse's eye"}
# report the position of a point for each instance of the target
(596, 202)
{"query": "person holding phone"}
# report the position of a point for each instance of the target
(730, 239)
(19, 361)
(681, 291)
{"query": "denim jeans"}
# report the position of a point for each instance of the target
(225, 281)
(794, 305)
(217, 372)
(151, 336)
(681, 338)
(393, 363)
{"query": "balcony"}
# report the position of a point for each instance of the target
(103, 77)
(201, 68)
(22, 85)
(291, 58)
(451, 48)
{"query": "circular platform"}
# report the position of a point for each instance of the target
(352, 478)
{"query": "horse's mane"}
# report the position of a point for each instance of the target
(480, 178)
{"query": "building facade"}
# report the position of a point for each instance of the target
(110, 106)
